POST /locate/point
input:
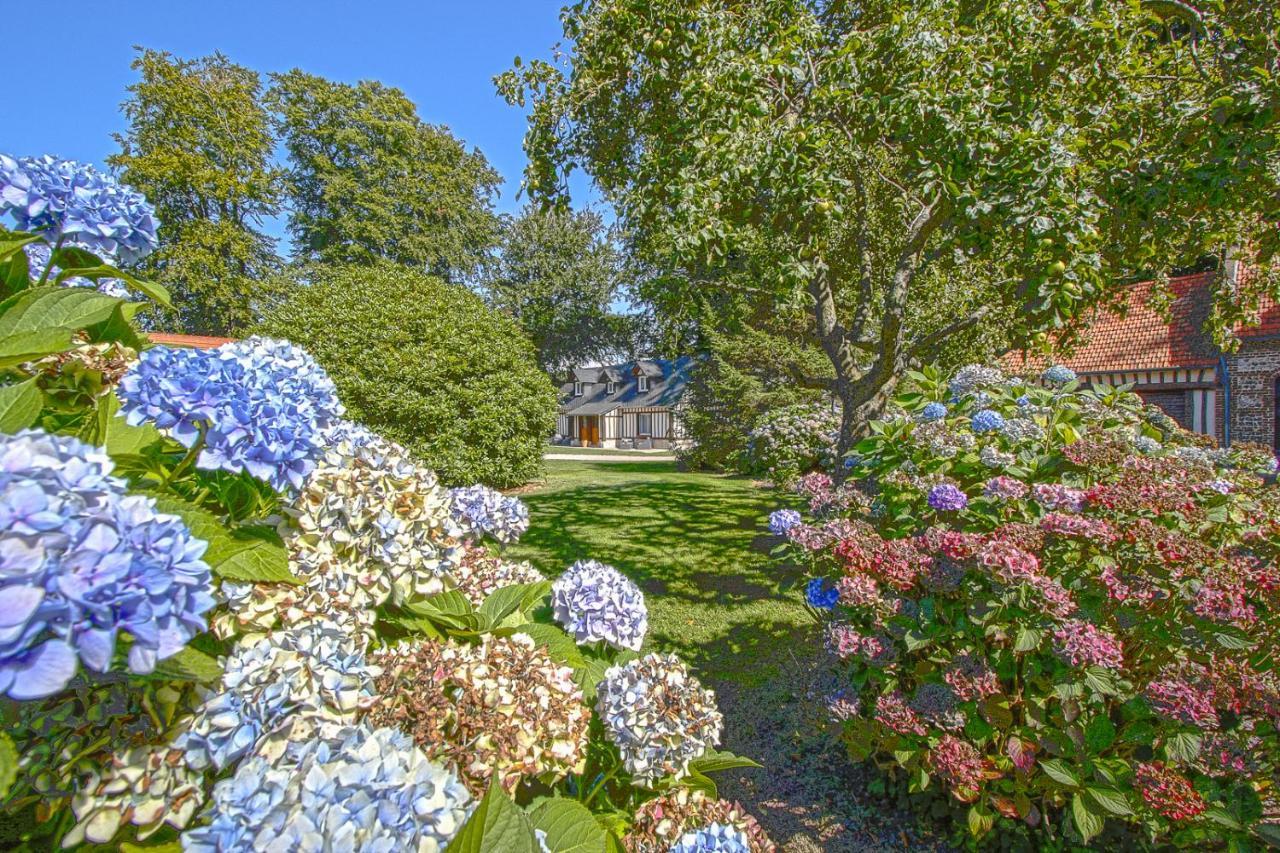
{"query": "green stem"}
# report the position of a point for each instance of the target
(604, 780)
(44, 276)
(186, 461)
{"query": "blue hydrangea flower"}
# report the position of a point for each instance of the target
(488, 511)
(1059, 374)
(595, 602)
(82, 562)
(1024, 401)
(264, 405)
(986, 420)
(947, 498)
(713, 838)
(821, 595)
(933, 412)
(359, 789)
(782, 520)
(63, 199)
(852, 461)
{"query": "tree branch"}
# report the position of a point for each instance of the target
(919, 347)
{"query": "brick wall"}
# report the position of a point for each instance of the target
(1254, 371)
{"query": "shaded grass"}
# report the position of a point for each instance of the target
(694, 542)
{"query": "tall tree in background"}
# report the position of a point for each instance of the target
(558, 273)
(370, 180)
(199, 146)
(913, 170)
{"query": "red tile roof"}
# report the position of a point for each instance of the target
(195, 341)
(1139, 336)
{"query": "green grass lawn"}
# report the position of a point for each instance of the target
(695, 543)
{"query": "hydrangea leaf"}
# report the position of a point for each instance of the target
(25, 346)
(8, 764)
(449, 608)
(19, 405)
(150, 289)
(44, 308)
(1088, 823)
(116, 435)
(167, 847)
(188, 665)
(496, 826)
(570, 827)
(501, 603)
(717, 761)
(244, 554)
(1109, 799)
(559, 645)
(11, 243)
(1059, 772)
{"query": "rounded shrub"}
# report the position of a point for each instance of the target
(1060, 609)
(791, 441)
(427, 364)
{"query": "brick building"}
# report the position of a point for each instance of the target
(1172, 363)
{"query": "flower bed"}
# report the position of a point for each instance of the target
(1057, 607)
(375, 675)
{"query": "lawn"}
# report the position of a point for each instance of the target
(695, 543)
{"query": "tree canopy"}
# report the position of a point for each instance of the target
(370, 180)
(558, 273)
(199, 145)
(916, 171)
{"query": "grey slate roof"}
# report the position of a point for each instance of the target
(668, 379)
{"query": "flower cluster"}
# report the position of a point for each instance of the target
(481, 574)
(713, 838)
(662, 821)
(597, 603)
(502, 709)
(489, 512)
(146, 786)
(658, 715)
(75, 203)
(792, 440)
(361, 789)
(1167, 791)
(1058, 375)
(82, 562)
(1082, 643)
(257, 405)
(946, 497)
(960, 766)
(782, 520)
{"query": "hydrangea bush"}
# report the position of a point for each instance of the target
(1060, 609)
(232, 620)
(793, 440)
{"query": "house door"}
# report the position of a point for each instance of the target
(591, 430)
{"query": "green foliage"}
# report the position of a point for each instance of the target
(793, 440)
(427, 364)
(199, 145)
(1085, 643)
(370, 180)
(917, 173)
(558, 274)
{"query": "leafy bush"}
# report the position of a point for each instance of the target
(791, 441)
(1060, 608)
(150, 497)
(427, 364)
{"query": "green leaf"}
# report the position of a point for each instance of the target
(115, 433)
(167, 847)
(1087, 822)
(450, 607)
(1060, 772)
(44, 308)
(11, 243)
(1222, 817)
(715, 761)
(28, 346)
(501, 603)
(559, 645)
(496, 826)
(1182, 747)
(19, 405)
(8, 764)
(1101, 681)
(1111, 799)
(1099, 734)
(1027, 640)
(188, 665)
(253, 554)
(570, 827)
(150, 289)
(980, 820)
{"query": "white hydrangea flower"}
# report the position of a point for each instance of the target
(659, 716)
(595, 602)
(147, 786)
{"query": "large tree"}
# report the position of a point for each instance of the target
(370, 180)
(199, 145)
(559, 273)
(915, 170)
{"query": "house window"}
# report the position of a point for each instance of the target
(642, 383)
(644, 424)
(577, 389)
(609, 389)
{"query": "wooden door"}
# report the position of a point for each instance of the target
(591, 432)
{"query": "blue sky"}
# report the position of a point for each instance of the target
(442, 54)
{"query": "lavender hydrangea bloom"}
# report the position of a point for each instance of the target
(82, 562)
(1059, 374)
(933, 412)
(263, 405)
(947, 498)
(713, 838)
(362, 789)
(74, 202)
(488, 511)
(782, 520)
(971, 377)
(821, 595)
(595, 602)
(987, 420)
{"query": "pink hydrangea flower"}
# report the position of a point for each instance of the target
(1183, 696)
(959, 765)
(1221, 601)
(1167, 791)
(971, 677)
(896, 715)
(1054, 496)
(1005, 488)
(858, 590)
(1078, 526)
(1082, 643)
(1009, 562)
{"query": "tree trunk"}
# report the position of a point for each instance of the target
(860, 405)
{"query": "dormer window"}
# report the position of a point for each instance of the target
(577, 389)
(642, 383)
(610, 388)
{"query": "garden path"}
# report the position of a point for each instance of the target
(695, 544)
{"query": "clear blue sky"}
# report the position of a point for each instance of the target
(65, 100)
